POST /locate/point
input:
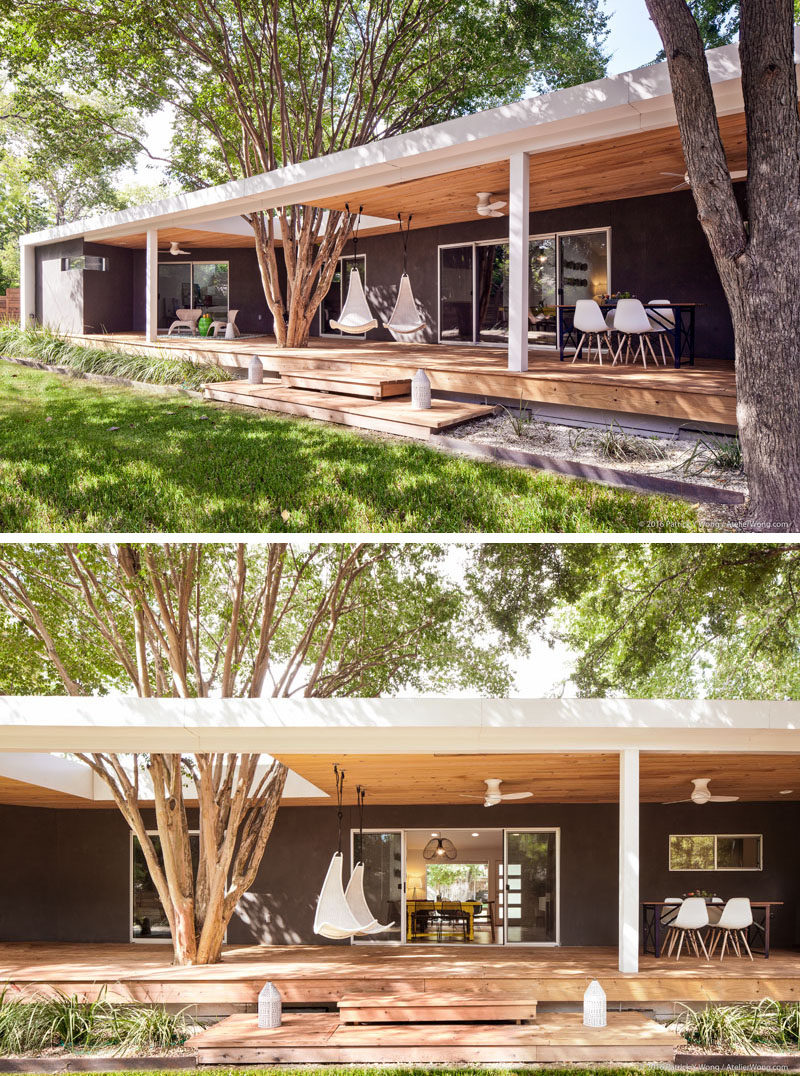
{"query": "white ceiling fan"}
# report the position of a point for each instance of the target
(174, 248)
(684, 178)
(492, 796)
(702, 794)
(486, 207)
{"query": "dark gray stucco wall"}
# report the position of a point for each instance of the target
(59, 295)
(108, 296)
(658, 250)
(66, 872)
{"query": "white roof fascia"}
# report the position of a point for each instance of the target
(615, 105)
(312, 726)
(49, 771)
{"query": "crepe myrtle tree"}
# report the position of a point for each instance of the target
(202, 621)
(260, 84)
(756, 249)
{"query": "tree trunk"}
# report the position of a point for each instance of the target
(758, 263)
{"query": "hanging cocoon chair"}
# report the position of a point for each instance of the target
(334, 917)
(405, 317)
(354, 895)
(356, 316)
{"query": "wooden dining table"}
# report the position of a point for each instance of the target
(471, 908)
(652, 925)
(680, 326)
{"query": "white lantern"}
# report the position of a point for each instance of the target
(269, 1007)
(255, 371)
(594, 1005)
(420, 391)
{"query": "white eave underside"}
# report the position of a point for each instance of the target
(617, 105)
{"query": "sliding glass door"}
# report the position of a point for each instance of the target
(473, 286)
(531, 875)
(192, 286)
(383, 854)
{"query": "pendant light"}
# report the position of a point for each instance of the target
(439, 848)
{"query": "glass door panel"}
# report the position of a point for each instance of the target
(456, 320)
(531, 887)
(542, 321)
(493, 293)
(210, 288)
(174, 291)
(584, 266)
(384, 871)
(148, 919)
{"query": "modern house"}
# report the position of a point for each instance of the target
(563, 882)
(593, 201)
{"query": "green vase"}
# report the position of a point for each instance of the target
(204, 324)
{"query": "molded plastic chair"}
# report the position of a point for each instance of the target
(668, 914)
(187, 319)
(715, 910)
(736, 919)
(692, 917)
(589, 321)
(664, 325)
(630, 319)
(220, 326)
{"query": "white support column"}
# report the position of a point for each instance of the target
(629, 860)
(519, 197)
(27, 284)
(151, 286)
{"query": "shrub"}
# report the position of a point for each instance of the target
(615, 444)
(48, 347)
(72, 1024)
(742, 1028)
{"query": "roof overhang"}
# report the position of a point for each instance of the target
(632, 103)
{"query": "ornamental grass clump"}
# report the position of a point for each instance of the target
(746, 1028)
(51, 349)
(66, 1022)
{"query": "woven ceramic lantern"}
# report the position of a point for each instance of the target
(255, 371)
(594, 1005)
(269, 1007)
(420, 391)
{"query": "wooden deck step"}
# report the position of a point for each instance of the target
(394, 415)
(374, 386)
(319, 1038)
(434, 1008)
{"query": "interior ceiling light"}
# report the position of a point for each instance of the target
(434, 835)
(439, 848)
(476, 834)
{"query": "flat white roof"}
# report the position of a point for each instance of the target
(633, 101)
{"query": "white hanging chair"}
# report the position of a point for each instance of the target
(406, 318)
(334, 916)
(354, 895)
(356, 316)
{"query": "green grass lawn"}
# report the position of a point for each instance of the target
(77, 456)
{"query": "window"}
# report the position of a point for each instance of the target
(148, 921)
(85, 261)
(715, 852)
(457, 881)
(331, 305)
(192, 286)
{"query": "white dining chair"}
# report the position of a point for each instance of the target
(589, 321)
(689, 923)
(631, 320)
(670, 910)
(715, 910)
(736, 919)
(663, 326)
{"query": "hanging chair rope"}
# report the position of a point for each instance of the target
(405, 318)
(356, 316)
(339, 777)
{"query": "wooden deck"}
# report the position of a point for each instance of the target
(318, 975)
(702, 394)
(318, 1038)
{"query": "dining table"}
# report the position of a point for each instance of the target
(681, 326)
(471, 908)
(758, 934)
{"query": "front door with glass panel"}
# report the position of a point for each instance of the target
(383, 855)
(531, 898)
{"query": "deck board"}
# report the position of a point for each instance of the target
(324, 974)
(316, 1037)
(703, 393)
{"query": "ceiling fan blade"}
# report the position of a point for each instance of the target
(493, 206)
(470, 796)
(515, 795)
(668, 803)
(678, 186)
(723, 799)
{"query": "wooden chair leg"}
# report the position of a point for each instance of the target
(735, 943)
(680, 944)
(724, 943)
(702, 943)
(672, 937)
(578, 348)
(743, 934)
(713, 941)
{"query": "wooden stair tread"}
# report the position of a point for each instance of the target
(433, 1007)
(320, 1036)
(374, 386)
(433, 997)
